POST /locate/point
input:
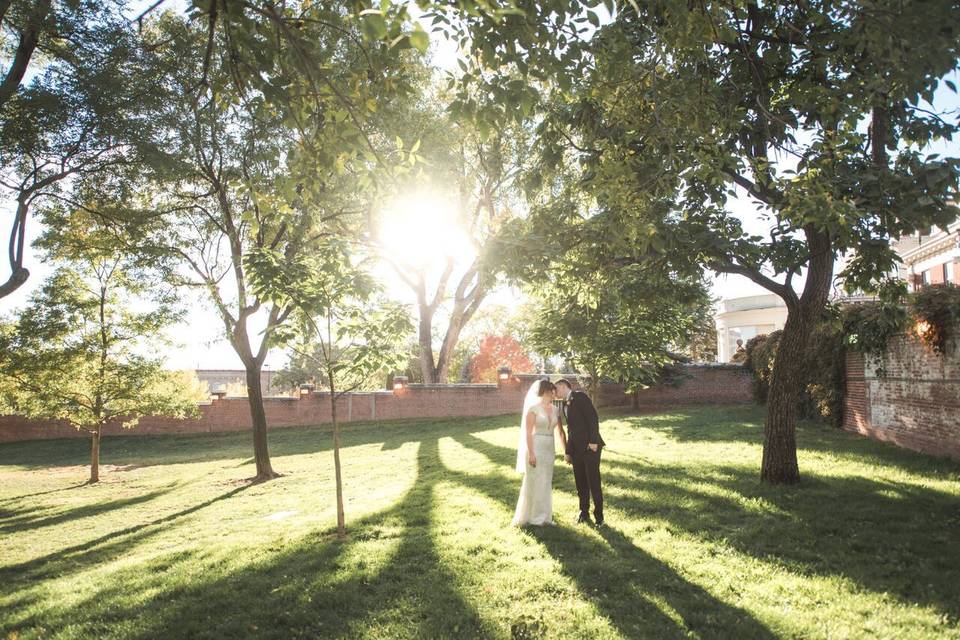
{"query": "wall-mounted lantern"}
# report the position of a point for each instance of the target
(306, 389)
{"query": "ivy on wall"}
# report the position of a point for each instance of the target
(932, 315)
(936, 315)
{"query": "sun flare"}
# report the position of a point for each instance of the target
(423, 229)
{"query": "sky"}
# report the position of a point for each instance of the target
(200, 338)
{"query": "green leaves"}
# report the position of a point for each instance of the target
(79, 353)
(373, 24)
(419, 39)
(344, 331)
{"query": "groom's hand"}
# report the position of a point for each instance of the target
(593, 447)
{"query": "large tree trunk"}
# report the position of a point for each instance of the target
(95, 455)
(788, 379)
(258, 416)
(450, 340)
(425, 338)
(341, 520)
(439, 372)
(779, 440)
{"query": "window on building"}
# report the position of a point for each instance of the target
(949, 269)
(925, 277)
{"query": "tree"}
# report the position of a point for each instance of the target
(77, 116)
(818, 112)
(81, 353)
(495, 352)
(702, 346)
(625, 327)
(257, 158)
(305, 365)
(477, 169)
(344, 329)
(492, 319)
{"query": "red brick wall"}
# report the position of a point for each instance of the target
(915, 404)
(706, 384)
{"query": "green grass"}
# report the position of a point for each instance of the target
(173, 543)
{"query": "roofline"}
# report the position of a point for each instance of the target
(935, 243)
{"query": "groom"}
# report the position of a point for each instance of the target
(584, 445)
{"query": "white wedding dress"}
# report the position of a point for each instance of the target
(535, 505)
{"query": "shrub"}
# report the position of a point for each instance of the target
(760, 354)
(824, 370)
(867, 328)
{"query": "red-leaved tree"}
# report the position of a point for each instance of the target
(495, 352)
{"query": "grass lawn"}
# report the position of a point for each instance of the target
(173, 544)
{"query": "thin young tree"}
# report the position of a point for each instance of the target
(344, 329)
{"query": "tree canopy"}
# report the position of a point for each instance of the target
(818, 112)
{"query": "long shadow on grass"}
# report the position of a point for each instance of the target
(892, 537)
(22, 496)
(745, 425)
(149, 450)
(316, 587)
(624, 582)
(35, 519)
(92, 552)
(887, 537)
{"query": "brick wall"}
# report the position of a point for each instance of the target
(915, 404)
(704, 384)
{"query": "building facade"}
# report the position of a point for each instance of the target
(739, 319)
(932, 258)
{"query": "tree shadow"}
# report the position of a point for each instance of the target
(319, 586)
(155, 450)
(884, 536)
(91, 552)
(887, 537)
(22, 496)
(630, 587)
(34, 518)
(744, 424)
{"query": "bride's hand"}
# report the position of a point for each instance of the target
(532, 459)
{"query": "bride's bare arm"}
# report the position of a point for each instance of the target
(563, 439)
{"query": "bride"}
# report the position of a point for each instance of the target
(535, 455)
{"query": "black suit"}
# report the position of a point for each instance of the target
(583, 429)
